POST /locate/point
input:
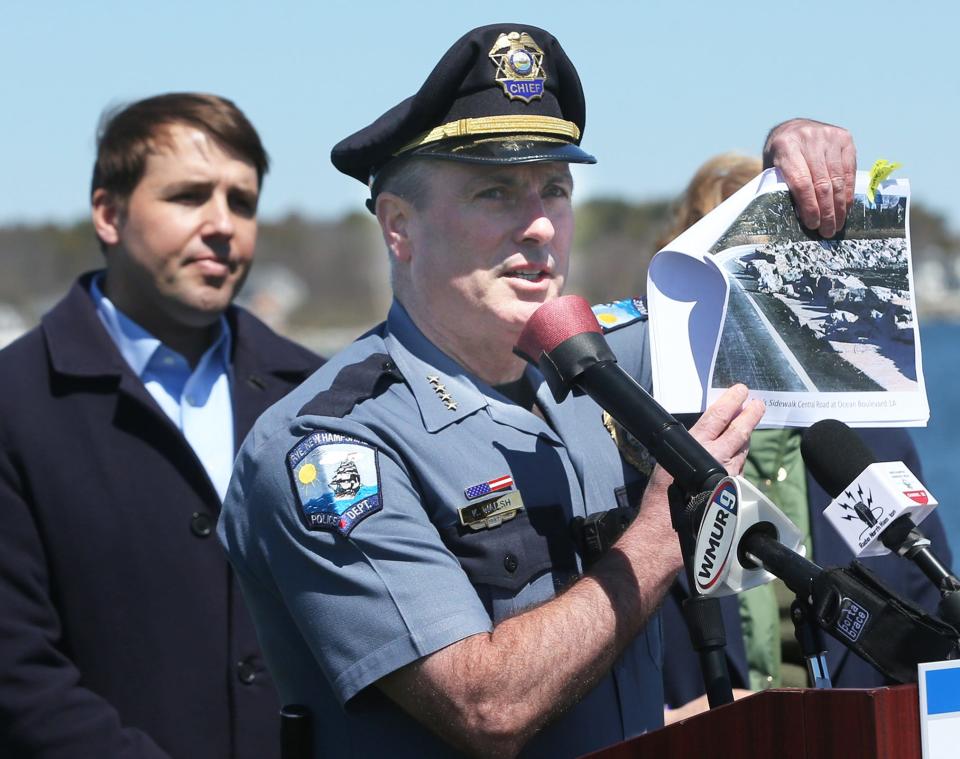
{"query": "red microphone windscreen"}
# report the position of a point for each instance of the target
(554, 322)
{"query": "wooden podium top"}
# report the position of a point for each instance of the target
(794, 723)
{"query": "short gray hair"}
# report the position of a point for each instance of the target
(406, 178)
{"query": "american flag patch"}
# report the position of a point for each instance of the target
(498, 483)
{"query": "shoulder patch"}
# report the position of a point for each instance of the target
(336, 479)
(353, 385)
(619, 313)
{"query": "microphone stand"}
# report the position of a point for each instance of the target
(811, 643)
(296, 732)
(703, 614)
(903, 537)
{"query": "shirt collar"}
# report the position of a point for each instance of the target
(137, 346)
(445, 392)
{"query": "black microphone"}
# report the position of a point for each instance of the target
(565, 341)
(853, 606)
(837, 458)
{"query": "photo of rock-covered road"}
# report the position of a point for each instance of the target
(752, 345)
(806, 314)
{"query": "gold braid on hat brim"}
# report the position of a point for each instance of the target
(491, 125)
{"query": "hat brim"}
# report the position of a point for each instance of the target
(507, 149)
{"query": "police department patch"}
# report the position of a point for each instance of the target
(620, 313)
(336, 480)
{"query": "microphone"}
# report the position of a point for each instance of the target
(736, 510)
(564, 340)
(876, 506)
(745, 540)
(855, 608)
(723, 565)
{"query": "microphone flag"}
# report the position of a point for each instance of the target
(883, 492)
(735, 507)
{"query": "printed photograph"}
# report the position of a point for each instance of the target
(807, 314)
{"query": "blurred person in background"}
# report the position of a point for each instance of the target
(123, 632)
(715, 181)
(766, 654)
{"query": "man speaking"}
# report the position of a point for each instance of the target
(402, 523)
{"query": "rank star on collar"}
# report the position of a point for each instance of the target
(441, 392)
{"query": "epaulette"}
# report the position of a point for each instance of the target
(620, 313)
(353, 385)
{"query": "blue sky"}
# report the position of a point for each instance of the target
(668, 84)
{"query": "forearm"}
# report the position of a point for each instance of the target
(489, 694)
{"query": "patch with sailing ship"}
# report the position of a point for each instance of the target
(336, 479)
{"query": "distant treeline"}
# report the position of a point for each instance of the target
(314, 275)
(772, 215)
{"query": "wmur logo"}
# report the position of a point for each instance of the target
(716, 537)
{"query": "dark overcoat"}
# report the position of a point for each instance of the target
(683, 680)
(122, 628)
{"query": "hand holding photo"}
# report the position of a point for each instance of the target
(817, 328)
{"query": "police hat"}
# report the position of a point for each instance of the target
(504, 93)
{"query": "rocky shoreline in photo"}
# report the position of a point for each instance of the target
(841, 280)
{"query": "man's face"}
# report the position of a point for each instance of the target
(488, 247)
(181, 245)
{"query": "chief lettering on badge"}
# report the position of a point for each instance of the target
(519, 62)
(336, 479)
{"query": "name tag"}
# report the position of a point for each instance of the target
(492, 512)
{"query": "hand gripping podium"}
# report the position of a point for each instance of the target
(841, 723)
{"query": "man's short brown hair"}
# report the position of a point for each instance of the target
(126, 136)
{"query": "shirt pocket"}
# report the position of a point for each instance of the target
(510, 556)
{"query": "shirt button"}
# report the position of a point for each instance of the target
(781, 474)
(192, 400)
(510, 563)
(201, 524)
(246, 671)
(168, 360)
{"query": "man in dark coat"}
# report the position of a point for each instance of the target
(683, 680)
(122, 629)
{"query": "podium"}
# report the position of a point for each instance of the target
(841, 723)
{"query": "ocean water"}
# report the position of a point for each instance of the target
(939, 442)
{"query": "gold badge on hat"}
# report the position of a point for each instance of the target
(519, 62)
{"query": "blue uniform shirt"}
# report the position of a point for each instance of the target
(345, 524)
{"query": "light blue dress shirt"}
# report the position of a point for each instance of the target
(197, 400)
